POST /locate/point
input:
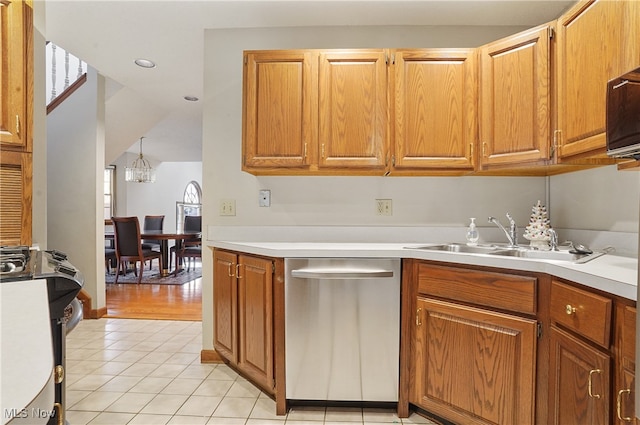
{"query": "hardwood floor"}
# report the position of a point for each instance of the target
(164, 302)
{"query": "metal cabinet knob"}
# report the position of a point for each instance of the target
(570, 309)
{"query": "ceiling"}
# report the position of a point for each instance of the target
(110, 35)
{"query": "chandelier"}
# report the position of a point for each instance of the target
(140, 170)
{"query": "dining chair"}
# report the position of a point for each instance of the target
(129, 246)
(190, 250)
(152, 223)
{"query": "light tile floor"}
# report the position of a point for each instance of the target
(147, 372)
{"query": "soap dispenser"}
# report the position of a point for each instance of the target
(472, 233)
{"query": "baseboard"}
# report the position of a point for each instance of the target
(210, 356)
(87, 311)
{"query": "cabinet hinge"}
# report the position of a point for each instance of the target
(551, 32)
(246, 60)
(273, 268)
(393, 160)
(539, 325)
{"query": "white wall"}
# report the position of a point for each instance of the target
(39, 209)
(159, 198)
(75, 164)
(597, 199)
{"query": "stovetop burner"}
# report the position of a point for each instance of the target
(17, 262)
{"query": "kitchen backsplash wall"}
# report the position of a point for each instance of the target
(597, 199)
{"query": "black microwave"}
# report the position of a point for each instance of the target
(623, 116)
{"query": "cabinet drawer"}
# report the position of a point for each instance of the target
(500, 290)
(586, 313)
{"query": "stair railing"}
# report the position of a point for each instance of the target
(60, 88)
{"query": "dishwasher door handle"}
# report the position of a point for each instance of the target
(340, 273)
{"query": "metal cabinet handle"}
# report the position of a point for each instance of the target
(619, 406)
(570, 309)
(229, 268)
(238, 271)
(591, 394)
(418, 321)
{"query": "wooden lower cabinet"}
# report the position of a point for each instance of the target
(255, 324)
(580, 381)
(243, 313)
(624, 389)
(225, 298)
(493, 346)
(473, 365)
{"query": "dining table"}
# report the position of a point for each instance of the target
(164, 238)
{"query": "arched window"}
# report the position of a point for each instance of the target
(192, 193)
(191, 203)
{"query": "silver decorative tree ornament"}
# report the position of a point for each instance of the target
(537, 231)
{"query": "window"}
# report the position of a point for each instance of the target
(190, 204)
(109, 192)
(192, 193)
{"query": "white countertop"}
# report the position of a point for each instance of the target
(26, 366)
(611, 273)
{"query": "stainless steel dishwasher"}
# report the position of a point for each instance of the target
(342, 329)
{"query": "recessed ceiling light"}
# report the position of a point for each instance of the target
(191, 98)
(145, 63)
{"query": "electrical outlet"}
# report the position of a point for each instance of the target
(227, 207)
(384, 207)
(264, 198)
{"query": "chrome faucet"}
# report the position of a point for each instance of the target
(512, 233)
(553, 236)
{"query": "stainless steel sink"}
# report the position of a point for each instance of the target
(501, 250)
(563, 255)
(457, 247)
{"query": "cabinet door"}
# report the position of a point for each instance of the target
(515, 96)
(280, 110)
(474, 366)
(590, 51)
(15, 197)
(225, 301)
(435, 109)
(353, 109)
(579, 380)
(255, 309)
(15, 25)
(625, 363)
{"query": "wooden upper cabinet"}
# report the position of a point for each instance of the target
(591, 40)
(279, 109)
(16, 104)
(631, 58)
(15, 198)
(434, 109)
(15, 66)
(515, 99)
(353, 109)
